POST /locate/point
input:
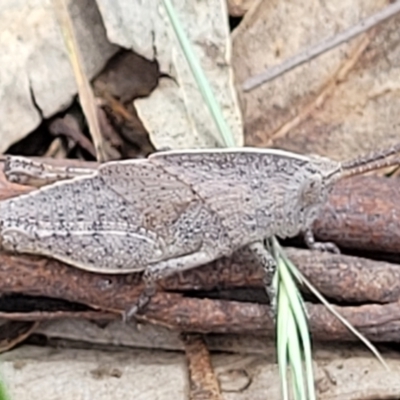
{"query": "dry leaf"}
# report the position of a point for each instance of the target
(343, 103)
(36, 79)
(175, 114)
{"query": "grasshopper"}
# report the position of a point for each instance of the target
(175, 210)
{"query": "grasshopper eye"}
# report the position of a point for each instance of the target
(310, 191)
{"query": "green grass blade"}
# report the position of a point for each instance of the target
(282, 338)
(299, 311)
(297, 316)
(3, 393)
(295, 359)
(200, 78)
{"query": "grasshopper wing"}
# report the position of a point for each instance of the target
(165, 205)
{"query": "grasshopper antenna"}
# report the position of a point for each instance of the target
(372, 161)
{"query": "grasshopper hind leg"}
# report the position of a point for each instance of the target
(263, 257)
(255, 252)
(163, 269)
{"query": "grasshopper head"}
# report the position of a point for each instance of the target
(313, 193)
(297, 188)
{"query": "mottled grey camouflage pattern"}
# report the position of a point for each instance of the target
(175, 210)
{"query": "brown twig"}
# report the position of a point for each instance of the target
(51, 315)
(203, 382)
(362, 213)
(15, 332)
(41, 277)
